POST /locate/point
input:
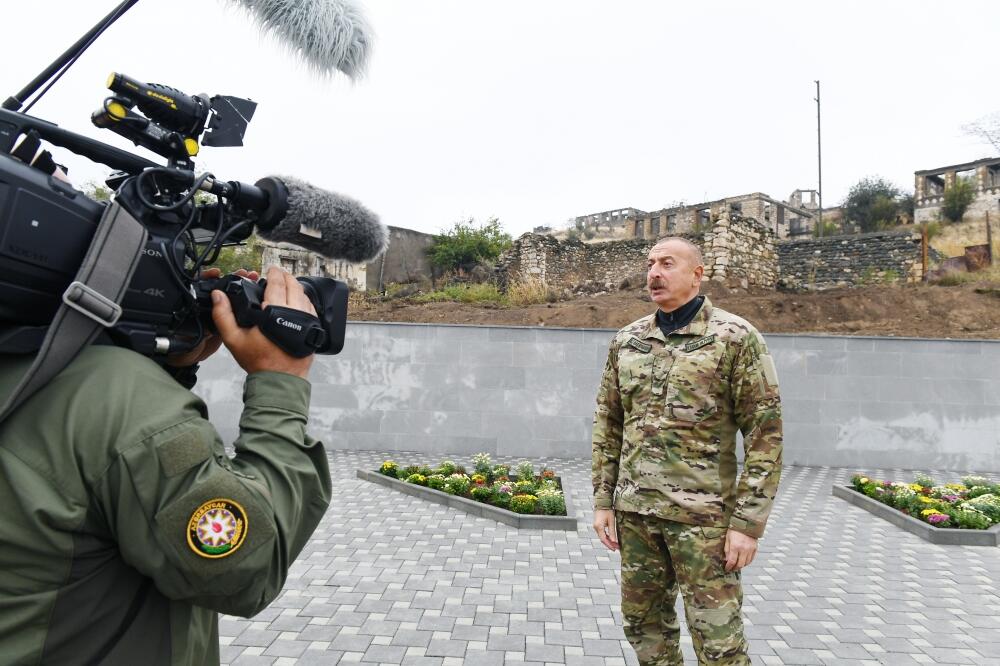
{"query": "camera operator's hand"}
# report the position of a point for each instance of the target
(211, 342)
(251, 349)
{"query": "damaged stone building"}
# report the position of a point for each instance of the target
(787, 219)
(619, 218)
(405, 260)
(931, 184)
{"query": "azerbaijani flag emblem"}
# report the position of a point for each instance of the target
(217, 528)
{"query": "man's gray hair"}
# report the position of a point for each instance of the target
(694, 249)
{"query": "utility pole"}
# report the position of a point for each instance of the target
(819, 160)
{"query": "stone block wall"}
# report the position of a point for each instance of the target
(846, 402)
(847, 261)
(740, 252)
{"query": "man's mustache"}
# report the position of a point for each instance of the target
(656, 284)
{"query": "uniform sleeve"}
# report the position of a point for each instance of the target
(757, 408)
(607, 434)
(213, 531)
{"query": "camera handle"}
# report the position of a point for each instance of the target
(297, 333)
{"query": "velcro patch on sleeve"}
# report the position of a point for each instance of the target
(770, 373)
(183, 452)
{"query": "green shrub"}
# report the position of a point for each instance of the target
(482, 493)
(552, 502)
(924, 480)
(523, 503)
(389, 468)
(465, 245)
(525, 487)
(501, 470)
(425, 470)
(973, 480)
(409, 471)
(456, 484)
(988, 505)
(483, 464)
(447, 468)
(525, 471)
(971, 520)
(418, 479)
(436, 481)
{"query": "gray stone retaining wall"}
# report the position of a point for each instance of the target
(848, 402)
(847, 261)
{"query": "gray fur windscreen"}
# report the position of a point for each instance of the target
(328, 223)
(325, 34)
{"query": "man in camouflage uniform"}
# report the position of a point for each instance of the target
(677, 386)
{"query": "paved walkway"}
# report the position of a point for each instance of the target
(391, 579)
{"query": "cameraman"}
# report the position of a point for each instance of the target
(126, 528)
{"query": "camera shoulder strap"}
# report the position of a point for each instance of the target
(91, 302)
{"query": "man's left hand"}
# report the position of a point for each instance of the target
(740, 550)
(211, 342)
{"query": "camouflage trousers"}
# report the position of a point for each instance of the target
(658, 557)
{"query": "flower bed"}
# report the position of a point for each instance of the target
(518, 497)
(973, 504)
(966, 513)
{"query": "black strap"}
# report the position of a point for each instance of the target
(89, 303)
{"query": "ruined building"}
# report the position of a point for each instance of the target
(611, 220)
(931, 184)
(786, 219)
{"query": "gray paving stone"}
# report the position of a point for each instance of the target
(396, 574)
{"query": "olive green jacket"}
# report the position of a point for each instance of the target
(668, 409)
(125, 526)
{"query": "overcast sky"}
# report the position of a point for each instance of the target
(538, 111)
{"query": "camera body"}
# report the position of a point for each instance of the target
(46, 227)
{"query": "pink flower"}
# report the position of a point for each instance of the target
(950, 498)
(936, 518)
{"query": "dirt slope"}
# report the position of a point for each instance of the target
(924, 311)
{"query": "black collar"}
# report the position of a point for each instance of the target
(668, 322)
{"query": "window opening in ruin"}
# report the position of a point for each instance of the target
(290, 265)
(934, 185)
(967, 175)
(993, 176)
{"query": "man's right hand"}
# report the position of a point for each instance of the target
(604, 525)
(251, 349)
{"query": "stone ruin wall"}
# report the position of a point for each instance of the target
(850, 261)
(737, 251)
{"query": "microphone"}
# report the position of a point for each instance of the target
(326, 34)
(331, 224)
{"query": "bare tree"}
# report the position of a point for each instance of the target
(986, 129)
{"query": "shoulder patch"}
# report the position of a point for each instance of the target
(217, 528)
(699, 343)
(638, 345)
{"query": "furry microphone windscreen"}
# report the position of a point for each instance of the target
(331, 224)
(325, 34)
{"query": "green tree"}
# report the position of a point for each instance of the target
(957, 199)
(250, 256)
(873, 203)
(466, 244)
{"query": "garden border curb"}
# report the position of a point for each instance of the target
(481, 509)
(944, 536)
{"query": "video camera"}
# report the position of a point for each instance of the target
(46, 226)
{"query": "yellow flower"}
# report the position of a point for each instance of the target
(863, 479)
(929, 512)
(926, 500)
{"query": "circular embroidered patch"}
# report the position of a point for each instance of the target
(217, 528)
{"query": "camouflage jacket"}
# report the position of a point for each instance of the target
(668, 410)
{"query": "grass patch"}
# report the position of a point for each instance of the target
(518, 293)
(529, 292)
(990, 275)
(463, 293)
